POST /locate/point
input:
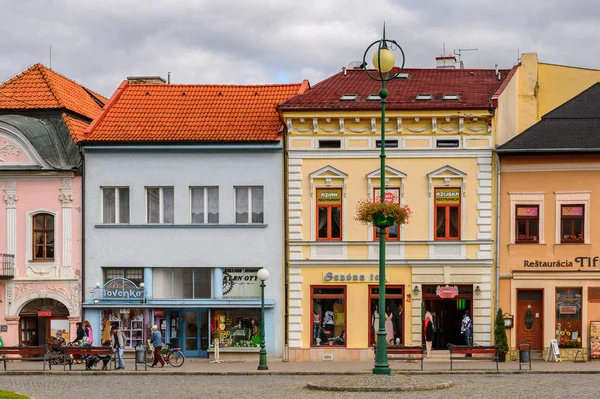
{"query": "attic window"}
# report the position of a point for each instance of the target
(424, 97)
(349, 97)
(447, 144)
(373, 97)
(403, 75)
(450, 97)
(388, 143)
(330, 144)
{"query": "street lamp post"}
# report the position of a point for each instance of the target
(263, 275)
(383, 61)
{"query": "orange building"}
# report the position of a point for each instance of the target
(549, 251)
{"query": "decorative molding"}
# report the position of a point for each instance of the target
(341, 125)
(289, 124)
(9, 149)
(315, 125)
(433, 124)
(461, 125)
(417, 129)
(451, 129)
(328, 129)
(302, 129)
(373, 125)
(477, 128)
(399, 123)
(358, 130)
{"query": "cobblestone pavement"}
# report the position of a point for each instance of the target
(288, 386)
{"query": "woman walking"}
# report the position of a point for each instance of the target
(428, 333)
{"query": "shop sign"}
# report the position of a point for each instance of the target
(446, 292)
(159, 312)
(45, 314)
(567, 309)
(584, 262)
(330, 277)
(331, 196)
(241, 284)
(391, 195)
(447, 196)
(119, 288)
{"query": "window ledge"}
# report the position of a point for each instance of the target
(183, 226)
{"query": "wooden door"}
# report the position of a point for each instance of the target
(529, 322)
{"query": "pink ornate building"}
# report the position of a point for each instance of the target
(42, 114)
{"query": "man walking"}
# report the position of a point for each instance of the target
(156, 341)
(117, 342)
(466, 329)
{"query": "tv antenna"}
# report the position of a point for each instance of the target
(460, 51)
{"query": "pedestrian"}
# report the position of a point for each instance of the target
(117, 342)
(88, 332)
(78, 340)
(156, 341)
(466, 328)
(428, 333)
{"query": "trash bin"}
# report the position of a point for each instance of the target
(524, 354)
(140, 356)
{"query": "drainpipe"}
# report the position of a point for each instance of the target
(286, 260)
(497, 233)
(82, 296)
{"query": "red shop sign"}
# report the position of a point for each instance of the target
(446, 292)
(45, 314)
(159, 312)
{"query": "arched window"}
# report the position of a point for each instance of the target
(43, 236)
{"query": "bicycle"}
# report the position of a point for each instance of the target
(172, 356)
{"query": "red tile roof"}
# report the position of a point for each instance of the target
(475, 88)
(76, 126)
(41, 88)
(190, 113)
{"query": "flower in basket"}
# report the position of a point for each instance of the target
(523, 237)
(382, 213)
(572, 238)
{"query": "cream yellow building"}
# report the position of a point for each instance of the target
(440, 129)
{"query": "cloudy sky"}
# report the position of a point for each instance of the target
(100, 42)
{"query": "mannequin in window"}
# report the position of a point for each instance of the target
(375, 323)
(389, 324)
(398, 325)
(316, 328)
(328, 323)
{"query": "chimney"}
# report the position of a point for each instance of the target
(446, 62)
(146, 80)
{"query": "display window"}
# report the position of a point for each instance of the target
(394, 300)
(392, 196)
(568, 317)
(527, 223)
(329, 214)
(328, 315)
(135, 324)
(236, 328)
(447, 214)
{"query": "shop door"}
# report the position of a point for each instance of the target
(194, 332)
(530, 324)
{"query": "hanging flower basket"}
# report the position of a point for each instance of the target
(382, 214)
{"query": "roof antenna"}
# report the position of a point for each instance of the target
(460, 50)
(168, 78)
(50, 57)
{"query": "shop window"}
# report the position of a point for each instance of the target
(527, 224)
(394, 299)
(43, 237)
(568, 317)
(571, 224)
(235, 328)
(329, 214)
(447, 213)
(182, 283)
(328, 316)
(249, 205)
(392, 195)
(134, 274)
(115, 204)
(134, 323)
(160, 204)
(205, 204)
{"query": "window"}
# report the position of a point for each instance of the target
(447, 143)
(43, 237)
(205, 205)
(349, 97)
(134, 274)
(182, 283)
(571, 223)
(447, 97)
(447, 213)
(328, 316)
(160, 204)
(330, 144)
(329, 214)
(236, 328)
(115, 204)
(393, 303)
(568, 317)
(527, 223)
(373, 97)
(423, 97)
(388, 143)
(249, 201)
(392, 195)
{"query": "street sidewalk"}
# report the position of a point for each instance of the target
(438, 366)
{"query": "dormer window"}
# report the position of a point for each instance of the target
(373, 97)
(349, 97)
(450, 97)
(424, 97)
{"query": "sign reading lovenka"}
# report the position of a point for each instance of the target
(584, 262)
(241, 284)
(119, 288)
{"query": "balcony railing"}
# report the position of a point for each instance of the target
(7, 266)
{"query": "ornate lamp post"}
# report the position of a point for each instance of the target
(263, 275)
(383, 61)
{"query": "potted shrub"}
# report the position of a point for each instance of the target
(384, 213)
(500, 336)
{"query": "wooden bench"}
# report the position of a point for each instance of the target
(480, 352)
(416, 352)
(85, 351)
(22, 353)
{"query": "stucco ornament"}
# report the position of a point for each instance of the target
(9, 149)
